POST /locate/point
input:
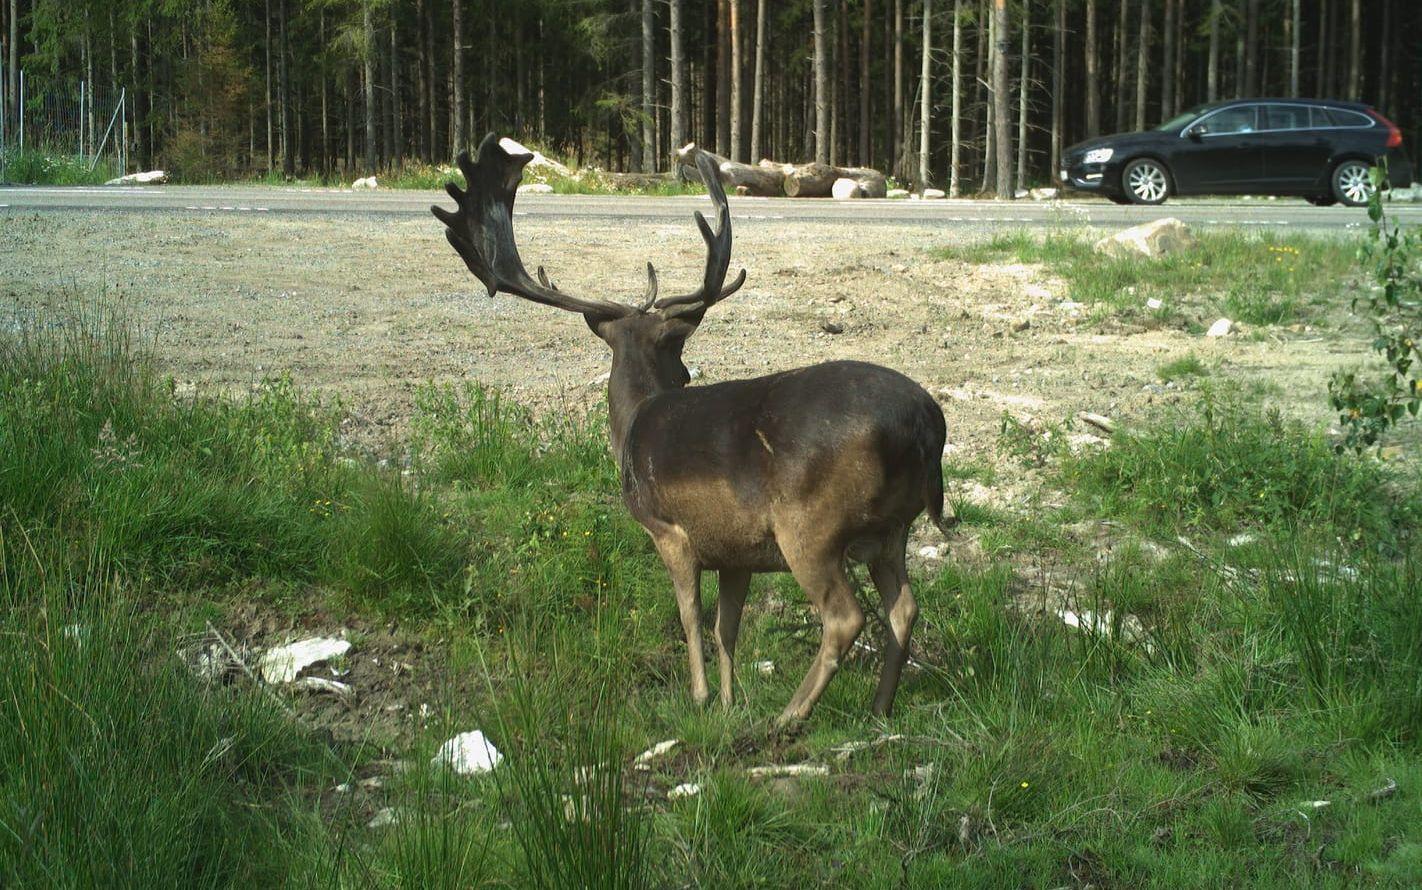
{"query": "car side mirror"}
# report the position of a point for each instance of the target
(1196, 131)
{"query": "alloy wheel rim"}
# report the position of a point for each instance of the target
(1147, 182)
(1353, 182)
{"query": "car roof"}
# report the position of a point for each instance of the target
(1270, 100)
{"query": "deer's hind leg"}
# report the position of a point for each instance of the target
(729, 604)
(819, 570)
(890, 574)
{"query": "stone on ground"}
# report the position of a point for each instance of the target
(284, 663)
(1221, 328)
(1152, 240)
(535, 188)
(147, 177)
(468, 753)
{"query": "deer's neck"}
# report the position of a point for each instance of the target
(634, 379)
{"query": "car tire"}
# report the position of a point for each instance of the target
(1351, 185)
(1321, 200)
(1145, 181)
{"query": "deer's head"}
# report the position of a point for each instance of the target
(647, 338)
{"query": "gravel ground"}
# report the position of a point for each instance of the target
(368, 309)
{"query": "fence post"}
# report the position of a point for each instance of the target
(123, 145)
(21, 111)
(80, 152)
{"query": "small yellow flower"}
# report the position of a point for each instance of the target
(1024, 784)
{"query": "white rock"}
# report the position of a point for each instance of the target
(1221, 328)
(845, 188)
(383, 818)
(1071, 307)
(1085, 441)
(764, 668)
(686, 789)
(1153, 239)
(468, 753)
(1020, 194)
(1241, 539)
(1044, 194)
(367, 182)
(284, 663)
(535, 188)
(929, 551)
(539, 159)
(934, 194)
(1154, 303)
(1131, 629)
(642, 760)
(897, 193)
(321, 684)
(787, 770)
(149, 177)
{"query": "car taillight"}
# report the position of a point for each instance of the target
(1394, 135)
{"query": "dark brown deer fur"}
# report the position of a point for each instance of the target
(797, 471)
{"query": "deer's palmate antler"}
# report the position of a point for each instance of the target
(796, 471)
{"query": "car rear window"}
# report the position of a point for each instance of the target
(1337, 117)
(1286, 117)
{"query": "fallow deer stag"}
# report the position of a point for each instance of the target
(794, 471)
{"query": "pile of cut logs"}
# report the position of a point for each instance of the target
(772, 179)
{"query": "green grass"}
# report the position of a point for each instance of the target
(33, 167)
(1261, 280)
(1182, 368)
(1032, 754)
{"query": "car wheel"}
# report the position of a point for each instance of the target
(1321, 200)
(1351, 184)
(1146, 182)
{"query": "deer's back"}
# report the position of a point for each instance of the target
(847, 445)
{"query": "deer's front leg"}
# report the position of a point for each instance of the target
(685, 573)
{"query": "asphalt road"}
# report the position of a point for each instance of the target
(1284, 213)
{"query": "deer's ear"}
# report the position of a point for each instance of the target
(596, 324)
(677, 329)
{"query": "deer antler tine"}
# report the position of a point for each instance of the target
(544, 280)
(651, 296)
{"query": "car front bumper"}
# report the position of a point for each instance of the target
(1086, 177)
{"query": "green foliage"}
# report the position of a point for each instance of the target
(1221, 465)
(1371, 406)
(33, 167)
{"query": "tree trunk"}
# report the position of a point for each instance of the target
(271, 128)
(1251, 49)
(865, 90)
(1022, 88)
(1003, 137)
(369, 28)
(456, 75)
(1167, 81)
(1093, 88)
(13, 82)
(897, 128)
(1058, 39)
(822, 86)
(1212, 68)
(288, 157)
(649, 87)
(723, 79)
(925, 104)
(1293, 49)
(764, 180)
(737, 66)
(955, 149)
(1321, 74)
(1142, 56)
(396, 116)
(1355, 44)
(325, 164)
(1121, 60)
(838, 122)
(758, 89)
(433, 86)
(680, 98)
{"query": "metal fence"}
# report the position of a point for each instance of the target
(76, 125)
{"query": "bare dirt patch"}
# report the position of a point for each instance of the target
(367, 308)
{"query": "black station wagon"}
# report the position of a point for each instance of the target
(1313, 148)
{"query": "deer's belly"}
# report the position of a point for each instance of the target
(723, 530)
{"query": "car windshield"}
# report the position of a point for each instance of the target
(1179, 121)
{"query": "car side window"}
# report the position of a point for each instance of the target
(1337, 117)
(1241, 119)
(1286, 117)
